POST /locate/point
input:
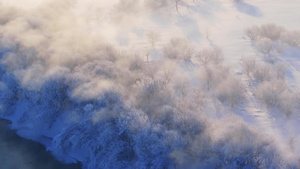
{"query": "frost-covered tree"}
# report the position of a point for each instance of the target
(211, 76)
(280, 70)
(210, 55)
(179, 49)
(243, 147)
(271, 31)
(292, 38)
(154, 5)
(248, 64)
(152, 94)
(263, 72)
(270, 91)
(153, 38)
(231, 91)
(264, 46)
(287, 102)
(252, 32)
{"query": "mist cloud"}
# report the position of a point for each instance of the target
(113, 107)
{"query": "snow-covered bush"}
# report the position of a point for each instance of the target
(153, 38)
(168, 70)
(136, 63)
(9, 93)
(264, 46)
(210, 55)
(211, 76)
(253, 32)
(263, 72)
(109, 53)
(280, 70)
(179, 49)
(271, 31)
(154, 5)
(277, 93)
(268, 72)
(287, 102)
(292, 38)
(238, 0)
(236, 145)
(269, 92)
(124, 11)
(207, 77)
(231, 91)
(248, 64)
(152, 94)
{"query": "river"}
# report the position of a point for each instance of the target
(20, 153)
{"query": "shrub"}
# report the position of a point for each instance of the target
(263, 72)
(264, 46)
(292, 38)
(286, 102)
(237, 145)
(211, 76)
(209, 55)
(271, 31)
(280, 70)
(248, 64)
(269, 92)
(179, 49)
(252, 32)
(153, 38)
(231, 91)
(152, 94)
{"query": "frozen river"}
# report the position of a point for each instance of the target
(19, 153)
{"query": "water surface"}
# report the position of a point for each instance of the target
(19, 153)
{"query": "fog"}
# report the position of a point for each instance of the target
(143, 84)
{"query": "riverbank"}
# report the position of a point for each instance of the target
(17, 152)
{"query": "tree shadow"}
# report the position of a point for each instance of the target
(207, 9)
(248, 9)
(189, 28)
(291, 56)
